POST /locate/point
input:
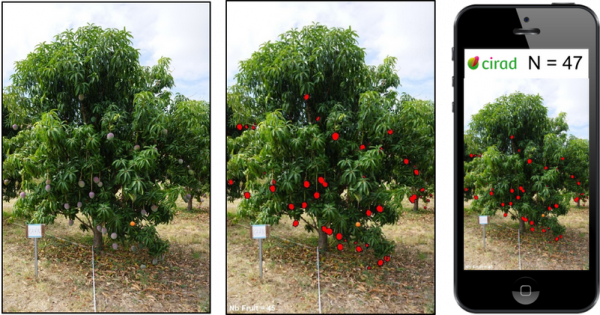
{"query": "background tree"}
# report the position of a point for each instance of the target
(105, 134)
(525, 167)
(189, 146)
(328, 149)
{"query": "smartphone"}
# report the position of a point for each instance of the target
(526, 158)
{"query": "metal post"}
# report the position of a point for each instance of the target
(519, 249)
(94, 278)
(318, 279)
(484, 237)
(260, 255)
(35, 245)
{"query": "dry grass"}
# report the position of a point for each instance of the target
(502, 249)
(289, 284)
(180, 283)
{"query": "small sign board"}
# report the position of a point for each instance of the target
(260, 231)
(35, 230)
(483, 219)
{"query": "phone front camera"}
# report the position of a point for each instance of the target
(526, 19)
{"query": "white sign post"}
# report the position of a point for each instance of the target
(483, 220)
(35, 231)
(260, 232)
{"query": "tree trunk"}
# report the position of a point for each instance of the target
(190, 201)
(578, 201)
(416, 205)
(522, 226)
(98, 242)
(323, 241)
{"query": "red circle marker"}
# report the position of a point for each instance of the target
(272, 188)
(466, 189)
(422, 189)
(531, 222)
(295, 224)
(230, 182)
(306, 97)
(273, 181)
(510, 203)
(556, 239)
(491, 193)
(317, 195)
(304, 205)
(291, 206)
(416, 172)
(511, 136)
(572, 176)
(246, 126)
(362, 146)
(379, 208)
(380, 263)
(247, 195)
(545, 167)
(321, 180)
(253, 127)
(239, 126)
(529, 161)
(505, 214)
(562, 158)
(543, 230)
(556, 205)
(386, 258)
(518, 197)
(390, 131)
(531, 229)
(335, 136)
(369, 213)
(471, 155)
(476, 198)
(325, 184)
(560, 236)
(502, 204)
(578, 183)
(340, 246)
(406, 161)
(339, 236)
(306, 184)
(318, 118)
(358, 249)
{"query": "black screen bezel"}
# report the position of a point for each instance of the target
(491, 27)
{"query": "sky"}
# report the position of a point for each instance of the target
(560, 95)
(403, 30)
(179, 31)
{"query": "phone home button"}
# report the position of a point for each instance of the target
(525, 290)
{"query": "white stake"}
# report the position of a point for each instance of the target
(318, 280)
(519, 249)
(94, 279)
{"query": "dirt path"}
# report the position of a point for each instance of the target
(180, 283)
(289, 284)
(502, 251)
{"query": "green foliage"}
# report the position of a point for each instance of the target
(77, 92)
(524, 150)
(293, 140)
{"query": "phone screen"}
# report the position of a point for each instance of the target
(526, 159)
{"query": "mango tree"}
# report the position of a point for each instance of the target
(525, 168)
(334, 147)
(104, 137)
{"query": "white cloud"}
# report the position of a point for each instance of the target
(570, 96)
(403, 30)
(179, 31)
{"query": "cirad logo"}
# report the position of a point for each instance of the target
(492, 64)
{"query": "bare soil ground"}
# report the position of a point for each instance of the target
(180, 283)
(502, 248)
(289, 284)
